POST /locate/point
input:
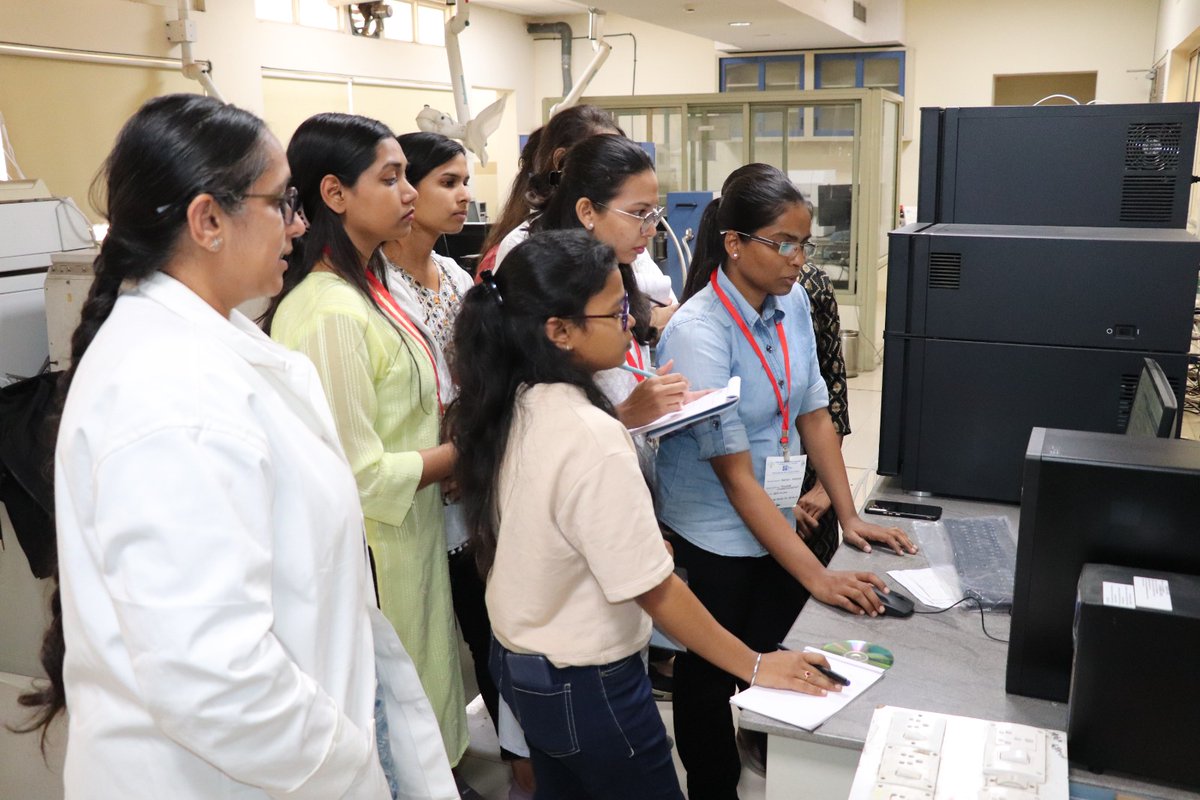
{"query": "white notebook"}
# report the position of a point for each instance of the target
(709, 405)
(808, 711)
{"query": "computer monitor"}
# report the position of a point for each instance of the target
(464, 246)
(833, 206)
(1100, 498)
(1154, 407)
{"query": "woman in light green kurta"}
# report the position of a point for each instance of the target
(380, 381)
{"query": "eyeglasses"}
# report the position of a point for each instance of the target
(649, 219)
(786, 249)
(288, 202)
(621, 316)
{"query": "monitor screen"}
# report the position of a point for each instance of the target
(1100, 498)
(833, 206)
(1154, 406)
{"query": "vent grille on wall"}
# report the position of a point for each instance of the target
(1153, 146)
(1147, 198)
(945, 270)
(860, 12)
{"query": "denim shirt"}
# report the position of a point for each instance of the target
(708, 348)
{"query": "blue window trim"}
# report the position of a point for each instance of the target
(761, 62)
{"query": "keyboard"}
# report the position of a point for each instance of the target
(985, 557)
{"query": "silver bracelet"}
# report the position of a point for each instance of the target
(754, 675)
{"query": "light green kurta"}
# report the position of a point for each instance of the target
(382, 390)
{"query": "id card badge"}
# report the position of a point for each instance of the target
(784, 478)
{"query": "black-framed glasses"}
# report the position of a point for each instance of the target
(288, 202)
(786, 249)
(621, 316)
(649, 218)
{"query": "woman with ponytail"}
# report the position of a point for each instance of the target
(216, 632)
(564, 529)
(743, 314)
(609, 188)
(380, 375)
(538, 171)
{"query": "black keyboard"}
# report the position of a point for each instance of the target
(985, 557)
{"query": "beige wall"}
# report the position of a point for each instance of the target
(1178, 37)
(959, 45)
(668, 62)
(497, 56)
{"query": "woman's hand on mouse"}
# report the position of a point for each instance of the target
(860, 533)
(795, 671)
(851, 591)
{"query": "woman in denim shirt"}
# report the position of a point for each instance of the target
(746, 316)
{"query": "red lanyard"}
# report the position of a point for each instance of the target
(633, 357)
(389, 305)
(784, 404)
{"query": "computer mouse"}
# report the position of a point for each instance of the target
(895, 604)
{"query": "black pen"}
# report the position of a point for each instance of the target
(826, 671)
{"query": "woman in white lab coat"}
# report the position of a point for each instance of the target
(219, 626)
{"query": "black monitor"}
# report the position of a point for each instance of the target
(464, 246)
(1154, 407)
(1100, 498)
(833, 206)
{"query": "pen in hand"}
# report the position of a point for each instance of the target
(826, 671)
(645, 373)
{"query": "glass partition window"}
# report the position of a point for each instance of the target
(662, 130)
(715, 139)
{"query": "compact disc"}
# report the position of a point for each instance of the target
(862, 651)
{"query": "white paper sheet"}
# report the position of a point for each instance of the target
(933, 586)
(807, 710)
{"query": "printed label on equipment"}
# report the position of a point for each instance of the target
(1152, 593)
(1120, 595)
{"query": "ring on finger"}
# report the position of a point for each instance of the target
(807, 674)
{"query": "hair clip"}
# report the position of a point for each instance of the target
(487, 279)
(554, 177)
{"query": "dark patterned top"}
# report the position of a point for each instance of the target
(827, 327)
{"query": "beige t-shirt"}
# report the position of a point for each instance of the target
(578, 539)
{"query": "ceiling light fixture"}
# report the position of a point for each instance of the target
(739, 24)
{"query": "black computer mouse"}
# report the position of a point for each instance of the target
(895, 604)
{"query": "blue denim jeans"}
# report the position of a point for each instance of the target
(593, 732)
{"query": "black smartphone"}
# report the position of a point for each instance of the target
(890, 508)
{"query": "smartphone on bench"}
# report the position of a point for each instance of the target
(890, 508)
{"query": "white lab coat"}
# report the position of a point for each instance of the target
(222, 637)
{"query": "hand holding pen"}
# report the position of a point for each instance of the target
(804, 672)
(822, 666)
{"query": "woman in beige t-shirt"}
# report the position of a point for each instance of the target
(564, 527)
